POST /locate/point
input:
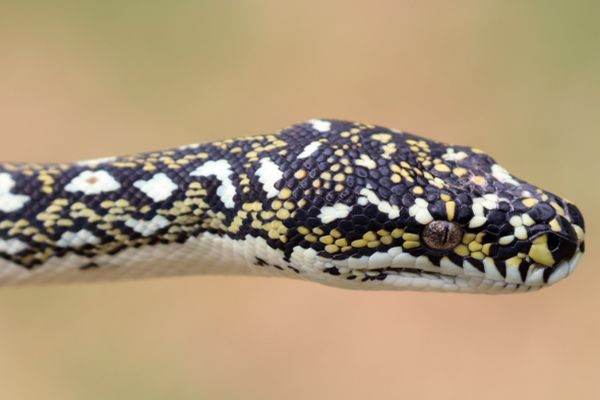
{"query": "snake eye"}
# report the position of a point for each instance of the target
(442, 235)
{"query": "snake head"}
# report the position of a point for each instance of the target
(411, 213)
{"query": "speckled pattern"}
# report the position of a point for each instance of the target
(336, 202)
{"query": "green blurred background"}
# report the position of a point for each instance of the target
(520, 79)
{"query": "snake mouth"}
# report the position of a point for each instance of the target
(462, 279)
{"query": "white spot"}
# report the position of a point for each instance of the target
(309, 149)
(477, 221)
(12, 246)
(451, 155)
(574, 261)
(491, 271)
(513, 275)
(535, 276)
(516, 221)
(366, 161)
(93, 182)
(96, 161)
(470, 270)
(527, 220)
(221, 169)
(269, 174)
(7, 183)
(503, 175)
(449, 268)
(159, 188)
(420, 212)
(331, 213)
(10, 202)
(380, 260)
(148, 228)
(189, 146)
(320, 125)
(358, 262)
(404, 260)
(480, 204)
(382, 205)
(521, 232)
(78, 239)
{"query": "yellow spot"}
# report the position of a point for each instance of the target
(486, 249)
(387, 240)
(332, 248)
(276, 205)
(410, 237)
(411, 244)
(418, 190)
(396, 178)
(475, 246)
(318, 231)
(283, 213)
(479, 180)
(468, 238)
(450, 210)
(462, 250)
(339, 177)
(442, 168)
(382, 137)
(459, 171)
(370, 236)
(326, 239)
(558, 208)
(514, 262)
(359, 243)
(530, 202)
(397, 233)
(303, 230)
(300, 174)
(341, 242)
(540, 252)
(285, 193)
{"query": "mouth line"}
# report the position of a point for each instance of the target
(537, 277)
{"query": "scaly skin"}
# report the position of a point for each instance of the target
(336, 202)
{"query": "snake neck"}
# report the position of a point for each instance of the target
(213, 208)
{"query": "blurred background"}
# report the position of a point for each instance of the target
(85, 79)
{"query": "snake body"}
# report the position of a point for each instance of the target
(342, 203)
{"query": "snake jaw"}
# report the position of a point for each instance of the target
(429, 280)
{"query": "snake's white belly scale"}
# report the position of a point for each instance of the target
(341, 203)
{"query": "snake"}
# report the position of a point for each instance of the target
(346, 204)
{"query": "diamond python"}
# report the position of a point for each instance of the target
(341, 203)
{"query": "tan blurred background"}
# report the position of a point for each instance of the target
(84, 79)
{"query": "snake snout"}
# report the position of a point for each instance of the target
(563, 246)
